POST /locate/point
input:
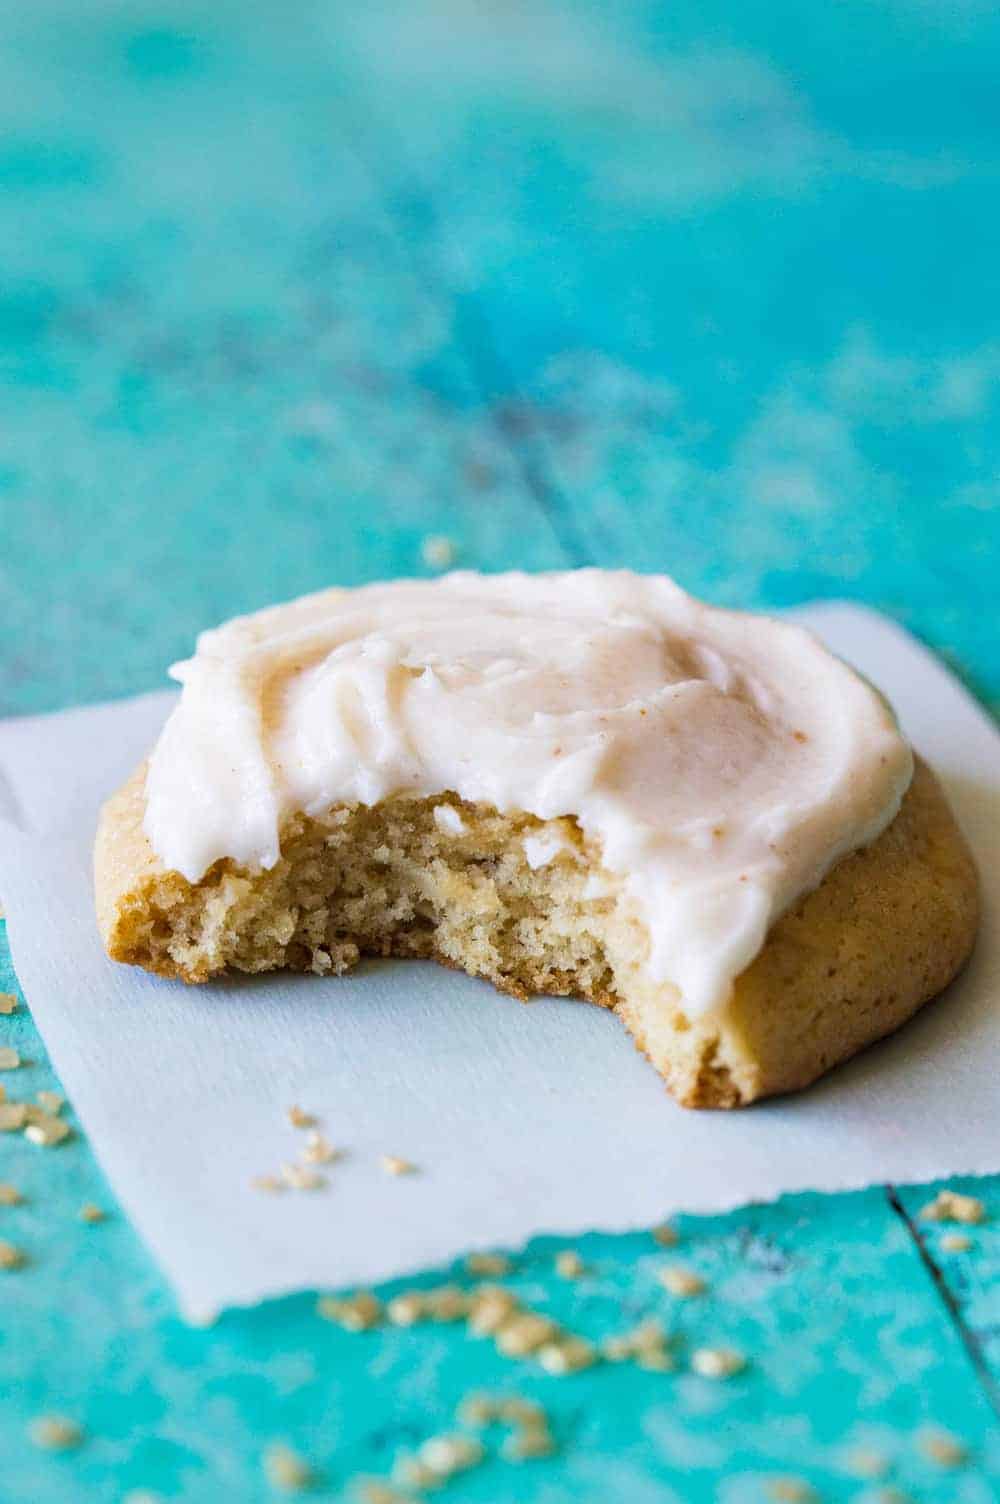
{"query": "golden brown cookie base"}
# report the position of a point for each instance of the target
(886, 930)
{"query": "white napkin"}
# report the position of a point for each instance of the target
(521, 1119)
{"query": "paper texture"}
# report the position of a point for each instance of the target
(522, 1119)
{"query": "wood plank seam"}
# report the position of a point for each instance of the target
(966, 1335)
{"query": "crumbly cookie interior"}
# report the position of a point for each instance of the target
(441, 878)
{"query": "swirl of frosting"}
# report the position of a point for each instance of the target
(722, 761)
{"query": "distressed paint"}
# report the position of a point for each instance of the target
(562, 284)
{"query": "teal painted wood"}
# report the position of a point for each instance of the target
(561, 284)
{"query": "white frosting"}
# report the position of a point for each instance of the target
(722, 761)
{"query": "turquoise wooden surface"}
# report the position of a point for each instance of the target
(701, 288)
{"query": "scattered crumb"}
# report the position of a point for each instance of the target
(527, 1443)
(285, 1469)
(11, 1257)
(9, 1058)
(682, 1282)
(437, 551)
(8, 1002)
(791, 1491)
(55, 1433)
(477, 1410)
(491, 1306)
(490, 1264)
(300, 1119)
(449, 1454)
(407, 1308)
(646, 1344)
(52, 1101)
(866, 1462)
(317, 1150)
(269, 1184)
(567, 1355)
(943, 1448)
(522, 1412)
(91, 1213)
(665, 1235)
(410, 1473)
(10, 1195)
(524, 1332)
(393, 1165)
(46, 1132)
(376, 1491)
(301, 1178)
(952, 1206)
(12, 1116)
(355, 1313)
(447, 1303)
(955, 1242)
(569, 1264)
(717, 1362)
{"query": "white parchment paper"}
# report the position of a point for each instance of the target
(522, 1119)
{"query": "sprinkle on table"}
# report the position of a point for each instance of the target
(52, 1101)
(355, 1313)
(300, 1119)
(955, 1242)
(13, 1116)
(567, 1355)
(90, 1212)
(9, 1194)
(9, 1058)
(953, 1206)
(55, 1433)
(271, 1185)
(285, 1469)
(8, 1002)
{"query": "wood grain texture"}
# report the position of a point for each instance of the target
(684, 290)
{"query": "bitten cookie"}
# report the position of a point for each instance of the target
(698, 819)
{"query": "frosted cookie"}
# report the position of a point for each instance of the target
(584, 783)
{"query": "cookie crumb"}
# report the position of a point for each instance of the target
(355, 1313)
(271, 1185)
(955, 1242)
(318, 1151)
(681, 1282)
(8, 1002)
(301, 1178)
(55, 1433)
(665, 1235)
(52, 1101)
(9, 1194)
(46, 1132)
(393, 1165)
(477, 1409)
(300, 1119)
(449, 1454)
(493, 1265)
(407, 1308)
(437, 551)
(285, 1469)
(717, 1362)
(569, 1264)
(12, 1116)
(9, 1058)
(11, 1257)
(567, 1355)
(953, 1206)
(943, 1448)
(89, 1212)
(791, 1491)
